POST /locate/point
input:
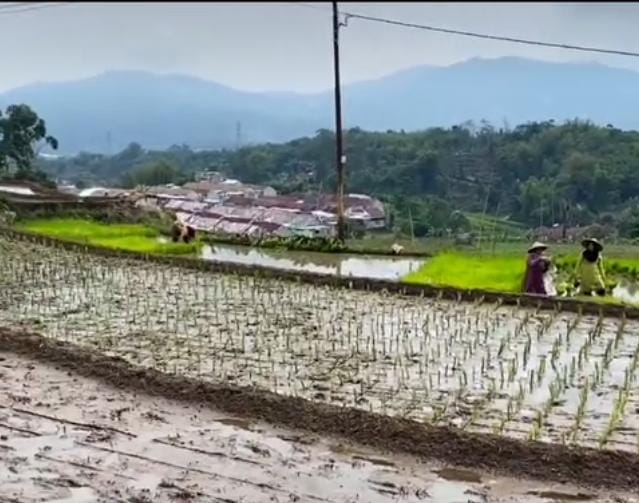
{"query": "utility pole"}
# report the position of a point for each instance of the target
(339, 149)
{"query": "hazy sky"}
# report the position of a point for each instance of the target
(283, 46)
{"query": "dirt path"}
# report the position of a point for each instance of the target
(67, 438)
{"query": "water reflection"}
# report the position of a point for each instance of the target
(357, 266)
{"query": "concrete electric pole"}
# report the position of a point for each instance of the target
(339, 149)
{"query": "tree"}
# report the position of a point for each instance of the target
(459, 222)
(159, 173)
(421, 175)
(630, 223)
(20, 131)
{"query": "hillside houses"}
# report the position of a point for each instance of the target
(214, 190)
(360, 210)
(232, 207)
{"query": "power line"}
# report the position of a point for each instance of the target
(31, 7)
(13, 5)
(485, 36)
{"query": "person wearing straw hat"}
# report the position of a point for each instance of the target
(590, 273)
(537, 265)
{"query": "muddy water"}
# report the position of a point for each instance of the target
(68, 439)
(627, 291)
(359, 266)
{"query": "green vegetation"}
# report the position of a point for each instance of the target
(158, 173)
(504, 272)
(128, 237)
(498, 227)
(21, 130)
(537, 173)
(500, 273)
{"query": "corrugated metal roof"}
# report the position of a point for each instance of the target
(23, 191)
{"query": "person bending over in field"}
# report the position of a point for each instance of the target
(590, 273)
(537, 267)
(188, 234)
(182, 232)
(176, 231)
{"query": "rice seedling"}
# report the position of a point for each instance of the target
(480, 366)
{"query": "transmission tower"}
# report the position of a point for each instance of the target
(238, 135)
(109, 143)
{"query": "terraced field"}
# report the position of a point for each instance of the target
(548, 376)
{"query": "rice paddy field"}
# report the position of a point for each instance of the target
(551, 376)
(504, 272)
(128, 237)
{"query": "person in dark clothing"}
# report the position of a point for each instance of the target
(537, 265)
(176, 231)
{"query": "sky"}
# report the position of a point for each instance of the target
(287, 46)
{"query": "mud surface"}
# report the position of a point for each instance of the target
(68, 438)
(442, 445)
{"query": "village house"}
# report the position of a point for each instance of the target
(231, 207)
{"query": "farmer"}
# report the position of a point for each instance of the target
(537, 265)
(188, 234)
(590, 273)
(176, 231)
(182, 232)
(397, 249)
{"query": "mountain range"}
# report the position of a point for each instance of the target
(106, 112)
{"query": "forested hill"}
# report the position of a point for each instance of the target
(530, 172)
(107, 112)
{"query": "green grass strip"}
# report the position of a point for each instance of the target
(127, 237)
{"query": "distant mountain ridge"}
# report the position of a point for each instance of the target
(108, 111)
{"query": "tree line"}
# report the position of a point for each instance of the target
(539, 174)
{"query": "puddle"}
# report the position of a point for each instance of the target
(343, 265)
(558, 496)
(356, 455)
(453, 492)
(374, 461)
(456, 475)
(243, 424)
(78, 495)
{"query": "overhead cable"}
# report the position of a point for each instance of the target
(464, 33)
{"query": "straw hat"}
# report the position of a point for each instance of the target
(597, 244)
(537, 246)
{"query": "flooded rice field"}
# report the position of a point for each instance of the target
(548, 376)
(344, 265)
(384, 267)
(64, 437)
